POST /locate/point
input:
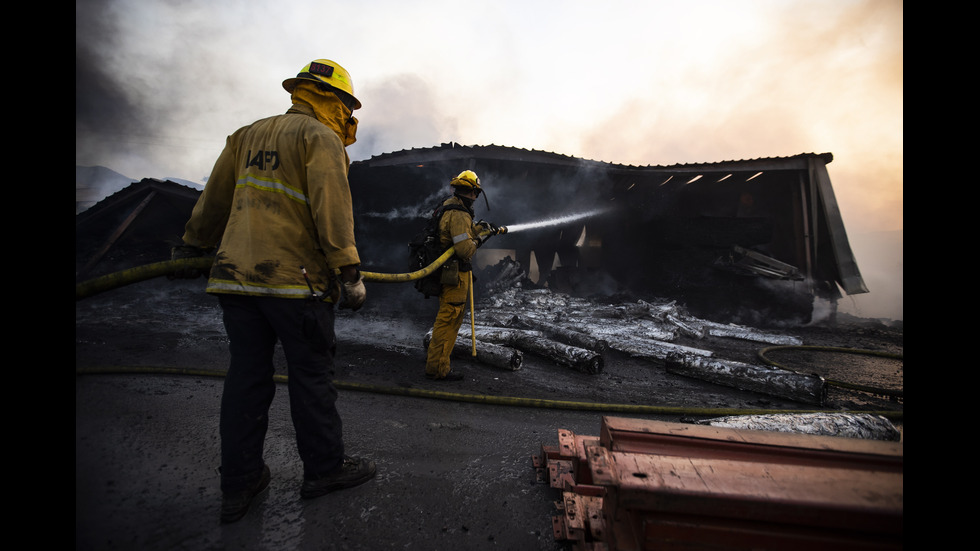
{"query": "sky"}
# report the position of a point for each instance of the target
(161, 83)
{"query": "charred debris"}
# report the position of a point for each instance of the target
(578, 332)
(751, 241)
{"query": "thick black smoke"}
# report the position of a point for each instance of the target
(101, 103)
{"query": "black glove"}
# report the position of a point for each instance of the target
(180, 252)
(487, 227)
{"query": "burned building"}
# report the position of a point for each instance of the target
(749, 241)
(134, 226)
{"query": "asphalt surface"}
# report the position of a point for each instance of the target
(451, 474)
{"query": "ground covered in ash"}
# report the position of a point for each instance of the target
(175, 324)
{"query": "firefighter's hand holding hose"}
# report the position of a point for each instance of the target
(183, 251)
(487, 230)
(352, 291)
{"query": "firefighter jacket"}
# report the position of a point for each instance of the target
(456, 230)
(278, 201)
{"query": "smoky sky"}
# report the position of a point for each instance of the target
(110, 121)
(100, 102)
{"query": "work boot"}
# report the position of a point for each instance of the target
(451, 376)
(354, 471)
(234, 505)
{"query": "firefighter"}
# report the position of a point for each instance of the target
(456, 230)
(277, 207)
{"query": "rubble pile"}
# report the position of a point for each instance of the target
(579, 332)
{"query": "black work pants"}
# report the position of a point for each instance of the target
(305, 327)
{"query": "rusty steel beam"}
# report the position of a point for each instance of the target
(750, 491)
(646, 485)
(566, 465)
(769, 501)
(639, 530)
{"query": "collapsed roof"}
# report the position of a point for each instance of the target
(694, 231)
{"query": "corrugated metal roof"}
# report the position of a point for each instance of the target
(453, 150)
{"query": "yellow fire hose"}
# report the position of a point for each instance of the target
(98, 285)
(483, 398)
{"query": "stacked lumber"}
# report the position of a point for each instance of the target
(644, 485)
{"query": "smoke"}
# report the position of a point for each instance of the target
(159, 85)
(414, 211)
(880, 257)
(400, 112)
(102, 106)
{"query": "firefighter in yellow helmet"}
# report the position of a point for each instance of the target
(456, 230)
(277, 208)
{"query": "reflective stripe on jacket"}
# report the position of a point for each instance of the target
(277, 200)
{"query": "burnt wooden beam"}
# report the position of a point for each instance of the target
(810, 389)
(486, 352)
(535, 342)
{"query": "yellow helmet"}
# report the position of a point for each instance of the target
(324, 71)
(467, 179)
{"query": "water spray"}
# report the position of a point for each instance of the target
(557, 221)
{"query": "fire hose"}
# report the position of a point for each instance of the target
(107, 282)
(763, 355)
(203, 263)
(513, 401)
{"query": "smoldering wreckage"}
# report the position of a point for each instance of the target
(668, 263)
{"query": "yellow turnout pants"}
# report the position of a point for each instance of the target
(452, 306)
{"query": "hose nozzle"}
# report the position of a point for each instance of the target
(501, 229)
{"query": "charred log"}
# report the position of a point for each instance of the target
(535, 342)
(798, 387)
(561, 334)
(504, 275)
(653, 349)
(734, 331)
(491, 354)
(619, 330)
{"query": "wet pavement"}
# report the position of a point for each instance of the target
(450, 475)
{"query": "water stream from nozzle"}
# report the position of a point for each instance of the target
(556, 221)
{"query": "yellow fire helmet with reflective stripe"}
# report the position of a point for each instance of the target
(467, 179)
(324, 71)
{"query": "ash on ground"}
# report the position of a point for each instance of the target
(163, 323)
